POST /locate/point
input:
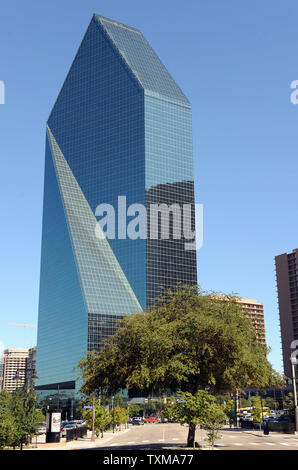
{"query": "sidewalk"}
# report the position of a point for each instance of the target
(81, 443)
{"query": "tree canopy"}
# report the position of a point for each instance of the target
(19, 417)
(188, 341)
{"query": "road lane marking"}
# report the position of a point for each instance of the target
(131, 442)
(160, 440)
(145, 441)
(237, 444)
(283, 444)
(254, 443)
(175, 439)
(270, 444)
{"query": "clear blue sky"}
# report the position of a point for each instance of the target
(235, 62)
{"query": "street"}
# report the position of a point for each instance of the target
(173, 436)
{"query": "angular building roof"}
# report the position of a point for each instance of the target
(145, 65)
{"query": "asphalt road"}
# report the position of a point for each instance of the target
(173, 436)
(148, 436)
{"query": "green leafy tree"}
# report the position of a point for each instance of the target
(213, 421)
(19, 417)
(189, 340)
(119, 416)
(26, 415)
(134, 410)
(288, 403)
(7, 421)
(244, 403)
(229, 407)
(271, 403)
(191, 409)
(199, 409)
(102, 419)
(256, 409)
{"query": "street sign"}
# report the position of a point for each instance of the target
(88, 407)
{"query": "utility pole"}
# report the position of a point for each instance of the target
(58, 402)
(236, 407)
(93, 417)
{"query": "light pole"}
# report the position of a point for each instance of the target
(113, 413)
(93, 417)
(293, 363)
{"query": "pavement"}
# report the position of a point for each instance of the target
(78, 444)
(248, 439)
(173, 436)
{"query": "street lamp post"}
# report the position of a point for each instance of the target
(93, 417)
(113, 414)
(293, 363)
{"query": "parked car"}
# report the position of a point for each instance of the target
(137, 422)
(150, 419)
(74, 423)
(65, 427)
(42, 428)
(81, 423)
(284, 423)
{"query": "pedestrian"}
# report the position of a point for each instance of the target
(231, 422)
(266, 427)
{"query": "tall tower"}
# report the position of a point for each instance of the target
(287, 288)
(120, 130)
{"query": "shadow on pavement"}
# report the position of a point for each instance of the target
(153, 446)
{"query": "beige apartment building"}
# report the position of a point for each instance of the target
(255, 311)
(17, 368)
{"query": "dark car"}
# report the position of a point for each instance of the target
(137, 422)
(284, 423)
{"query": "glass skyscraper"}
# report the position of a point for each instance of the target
(120, 127)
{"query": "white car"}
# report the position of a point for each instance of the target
(42, 428)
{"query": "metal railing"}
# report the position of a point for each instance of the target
(76, 433)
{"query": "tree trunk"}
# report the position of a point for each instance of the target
(191, 435)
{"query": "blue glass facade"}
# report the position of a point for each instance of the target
(120, 127)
